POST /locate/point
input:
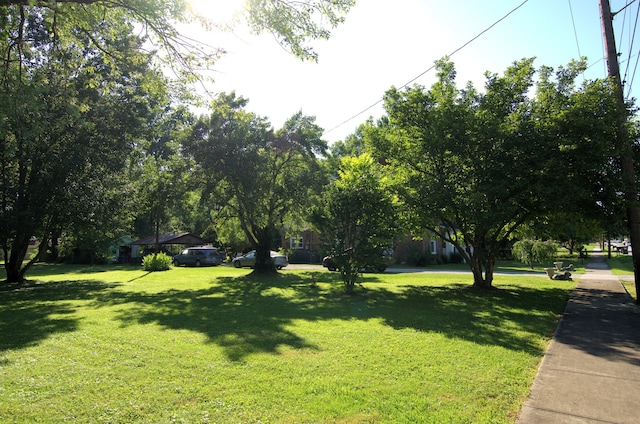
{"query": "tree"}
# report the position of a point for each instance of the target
(78, 83)
(293, 23)
(68, 119)
(160, 171)
(255, 174)
(356, 217)
(530, 251)
(472, 168)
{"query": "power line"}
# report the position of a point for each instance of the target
(433, 66)
(633, 36)
(633, 76)
(575, 33)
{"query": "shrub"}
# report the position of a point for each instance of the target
(530, 251)
(456, 258)
(417, 258)
(156, 262)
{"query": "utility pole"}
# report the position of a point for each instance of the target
(624, 144)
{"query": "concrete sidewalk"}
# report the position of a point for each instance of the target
(591, 371)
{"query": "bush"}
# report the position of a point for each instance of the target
(156, 262)
(530, 251)
(456, 258)
(417, 258)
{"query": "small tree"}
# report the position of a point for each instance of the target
(530, 251)
(357, 217)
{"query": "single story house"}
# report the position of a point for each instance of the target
(169, 243)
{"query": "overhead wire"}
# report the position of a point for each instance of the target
(624, 22)
(575, 32)
(633, 75)
(632, 34)
(480, 34)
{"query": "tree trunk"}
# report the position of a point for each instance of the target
(264, 262)
(482, 266)
(13, 265)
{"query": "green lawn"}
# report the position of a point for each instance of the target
(197, 345)
(623, 265)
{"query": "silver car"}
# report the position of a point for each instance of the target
(198, 256)
(249, 260)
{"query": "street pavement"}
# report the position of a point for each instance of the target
(591, 370)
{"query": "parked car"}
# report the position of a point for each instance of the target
(197, 256)
(249, 259)
(374, 264)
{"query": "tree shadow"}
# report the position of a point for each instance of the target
(253, 314)
(250, 314)
(243, 315)
(32, 311)
(602, 323)
(486, 317)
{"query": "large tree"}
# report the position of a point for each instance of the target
(68, 118)
(474, 167)
(78, 83)
(254, 174)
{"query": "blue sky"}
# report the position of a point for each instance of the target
(389, 43)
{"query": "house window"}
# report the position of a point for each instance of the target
(296, 243)
(433, 247)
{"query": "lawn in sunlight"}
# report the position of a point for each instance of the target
(119, 345)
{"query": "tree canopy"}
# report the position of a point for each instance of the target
(253, 173)
(293, 23)
(82, 84)
(68, 119)
(473, 167)
(356, 217)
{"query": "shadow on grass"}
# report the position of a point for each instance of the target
(32, 311)
(250, 314)
(483, 317)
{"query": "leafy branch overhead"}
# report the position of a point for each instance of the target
(293, 23)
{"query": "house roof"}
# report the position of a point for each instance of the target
(183, 238)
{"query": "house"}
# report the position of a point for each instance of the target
(423, 251)
(306, 247)
(169, 243)
(303, 247)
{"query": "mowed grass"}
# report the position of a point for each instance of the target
(622, 265)
(198, 345)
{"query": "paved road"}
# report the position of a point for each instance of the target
(408, 270)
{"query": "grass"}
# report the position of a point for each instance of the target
(198, 345)
(622, 265)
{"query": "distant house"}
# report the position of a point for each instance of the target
(303, 247)
(406, 247)
(170, 243)
(306, 247)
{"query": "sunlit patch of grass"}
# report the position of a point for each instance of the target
(215, 344)
(620, 264)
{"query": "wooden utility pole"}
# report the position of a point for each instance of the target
(624, 144)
